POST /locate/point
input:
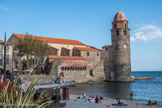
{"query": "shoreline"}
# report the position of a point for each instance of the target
(73, 102)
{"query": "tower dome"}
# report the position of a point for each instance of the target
(120, 17)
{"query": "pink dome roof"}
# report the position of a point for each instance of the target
(120, 17)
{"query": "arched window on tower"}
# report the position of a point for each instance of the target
(114, 25)
(125, 25)
(125, 32)
(117, 32)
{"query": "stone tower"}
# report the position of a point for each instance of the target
(120, 35)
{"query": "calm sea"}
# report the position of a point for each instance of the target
(143, 89)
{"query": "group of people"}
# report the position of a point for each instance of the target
(91, 98)
(152, 103)
(149, 102)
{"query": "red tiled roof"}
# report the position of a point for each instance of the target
(53, 40)
(1, 41)
(52, 57)
(87, 49)
(107, 46)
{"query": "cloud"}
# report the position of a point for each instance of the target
(147, 33)
(3, 7)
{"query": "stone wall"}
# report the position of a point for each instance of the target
(107, 57)
(43, 78)
(98, 72)
(65, 46)
(55, 67)
(93, 74)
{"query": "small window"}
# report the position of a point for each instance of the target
(1, 62)
(16, 64)
(114, 25)
(7, 46)
(125, 32)
(8, 61)
(87, 53)
(117, 32)
(91, 73)
(2, 45)
(106, 49)
(1, 53)
(97, 54)
(7, 54)
(125, 25)
(15, 47)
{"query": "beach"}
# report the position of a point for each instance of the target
(73, 102)
(143, 90)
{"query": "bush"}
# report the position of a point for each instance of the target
(12, 97)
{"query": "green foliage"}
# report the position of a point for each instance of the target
(18, 100)
(31, 46)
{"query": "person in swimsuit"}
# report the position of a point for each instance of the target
(60, 79)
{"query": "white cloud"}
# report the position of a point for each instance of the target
(3, 7)
(148, 33)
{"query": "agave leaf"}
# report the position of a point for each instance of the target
(13, 94)
(5, 90)
(45, 104)
(22, 101)
(28, 92)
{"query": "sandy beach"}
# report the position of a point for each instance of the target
(106, 103)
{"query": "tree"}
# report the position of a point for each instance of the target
(32, 47)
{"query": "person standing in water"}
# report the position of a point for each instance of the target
(131, 96)
(60, 79)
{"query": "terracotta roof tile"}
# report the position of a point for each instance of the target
(66, 57)
(87, 49)
(1, 41)
(52, 40)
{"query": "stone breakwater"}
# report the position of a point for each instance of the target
(106, 103)
(144, 78)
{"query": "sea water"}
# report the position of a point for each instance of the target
(143, 90)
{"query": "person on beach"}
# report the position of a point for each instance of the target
(150, 102)
(119, 102)
(155, 103)
(89, 99)
(60, 79)
(131, 96)
(97, 100)
(92, 100)
(83, 96)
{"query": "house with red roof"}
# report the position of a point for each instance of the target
(9, 53)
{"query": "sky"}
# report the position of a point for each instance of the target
(89, 21)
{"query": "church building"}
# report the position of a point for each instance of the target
(85, 63)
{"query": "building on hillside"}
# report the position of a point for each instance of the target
(9, 53)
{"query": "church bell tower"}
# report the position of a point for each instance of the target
(120, 35)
